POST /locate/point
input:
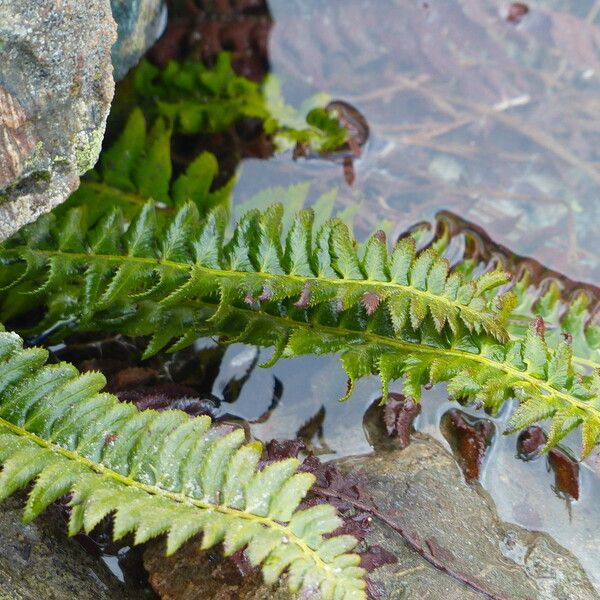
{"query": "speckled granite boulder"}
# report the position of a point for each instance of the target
(56, 86)
(139, 23)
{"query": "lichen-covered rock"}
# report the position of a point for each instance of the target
(139, 24)
(56, 86)
(420, 489)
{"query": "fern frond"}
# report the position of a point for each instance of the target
(399, 315)
(572, 315)
(199, 99)
(138, 167)
(184, 258)
(162, 473)
(568, 309)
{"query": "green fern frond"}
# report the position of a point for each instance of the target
(162, 473)
(138, 167)
(199, 99)
(297, 197)
(399, 315)
(568, 312)
(185, 258)
(570, 315)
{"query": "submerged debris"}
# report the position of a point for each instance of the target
(391, 424)
(516, 12)
(469, 438)
(566, 473)
(531, 442)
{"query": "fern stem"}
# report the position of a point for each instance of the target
(404, 347)
(99, 468)
(368, 284)
(413, 348)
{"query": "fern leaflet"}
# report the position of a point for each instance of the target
(199, 99)
(138, 166)
(186, 257)
(162, 473)
(568, 310)
(564, 316)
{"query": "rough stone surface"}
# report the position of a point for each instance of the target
(39, 562)
(56, 86)
(422, 489)
(139, 24)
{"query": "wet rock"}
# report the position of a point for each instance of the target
(55, 91)
(419, 490)
(139, 24)
(422, 490)
(194, 574)
(39, 562)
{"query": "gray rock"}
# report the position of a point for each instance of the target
(422, 490)
(139, 25)
(39, 562)
(56, 86)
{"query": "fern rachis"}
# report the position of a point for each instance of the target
(161, 473)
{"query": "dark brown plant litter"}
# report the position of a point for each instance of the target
(566, 473)
(469, 437)
(390, 424)
(167, 396)
(375, 557)
(530, 442)
(399, 412)
(516, 11)
(200, 29)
